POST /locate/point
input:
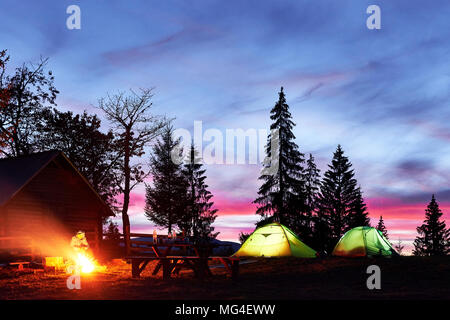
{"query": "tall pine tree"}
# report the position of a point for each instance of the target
(382, 228)
(358, 215)
(434, 237)
(199, 215)
(338, 193)
(165, 200)
(312, 185)
(304, 222)
(281, 197)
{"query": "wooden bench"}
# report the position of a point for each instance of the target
(19, 264)
(173, 264)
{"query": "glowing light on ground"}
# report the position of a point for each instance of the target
(85, 263)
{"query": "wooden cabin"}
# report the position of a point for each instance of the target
(45, 198)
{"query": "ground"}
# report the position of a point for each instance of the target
(283, 278)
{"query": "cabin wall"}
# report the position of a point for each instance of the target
(54, 206)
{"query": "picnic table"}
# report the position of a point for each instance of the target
(173, 255)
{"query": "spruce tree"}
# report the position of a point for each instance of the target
(111, 231)
(166, 197)
(358, 215)
(281, 196)
(399, 247)
(382, 228)
(312, 185)
(304, 222)
(434, 237)
(198, 215)
(338, 193)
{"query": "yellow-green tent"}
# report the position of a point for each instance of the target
(363, 241)
(274, 240)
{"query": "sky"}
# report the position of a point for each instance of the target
(382, 94)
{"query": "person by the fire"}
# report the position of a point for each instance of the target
(79, 242)
(82, 258)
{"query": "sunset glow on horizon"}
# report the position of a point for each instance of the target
(401, 219)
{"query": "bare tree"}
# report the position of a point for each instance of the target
(135, 127)
(5, 132)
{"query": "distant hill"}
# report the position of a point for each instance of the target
(226, 247)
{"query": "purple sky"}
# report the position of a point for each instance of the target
(382, 94)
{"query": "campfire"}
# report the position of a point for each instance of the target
(79, 262)
(85, 263)
(74, 257)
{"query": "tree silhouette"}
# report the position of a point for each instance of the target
(5, 95)
(381, 227)
(399, 247)
(198, 214)
(166, 199)
(434, 237)
(136, 127)
(111, 232)
(111, 239)
(336, 200)
(3, 59)
(281, 194)
(24, 95)
(243, 237)
(303, 224)
(94, 153)
(358, 215)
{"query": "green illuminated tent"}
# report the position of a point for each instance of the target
(274, 240)
(363, 241)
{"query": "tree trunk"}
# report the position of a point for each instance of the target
(280, 177)
(126, 190)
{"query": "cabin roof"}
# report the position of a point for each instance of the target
(16, 173)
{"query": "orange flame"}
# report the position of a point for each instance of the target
(85, 263)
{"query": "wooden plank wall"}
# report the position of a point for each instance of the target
(55, 201)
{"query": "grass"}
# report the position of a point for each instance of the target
(283, 278)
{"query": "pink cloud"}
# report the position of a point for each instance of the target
(137, 202)
(137, 199)
(396, 209)
(173, 43)
(229, 205)
(142, 51)
(433, 130)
